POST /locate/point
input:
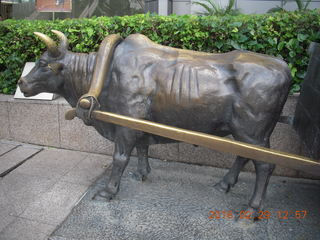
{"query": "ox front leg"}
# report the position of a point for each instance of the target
(143, 163)
(124, 144)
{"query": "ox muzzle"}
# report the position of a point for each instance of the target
(25, 87)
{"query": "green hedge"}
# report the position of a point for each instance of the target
(285, 35)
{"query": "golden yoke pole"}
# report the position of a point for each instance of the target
(210, 141)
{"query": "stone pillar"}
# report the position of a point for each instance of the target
(307, 115)
(163, 7)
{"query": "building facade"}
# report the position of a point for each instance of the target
(180, 7)
(29, 9)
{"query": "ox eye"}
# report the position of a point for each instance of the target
(43, 63)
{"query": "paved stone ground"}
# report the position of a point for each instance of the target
(39, 187)
(175, 203)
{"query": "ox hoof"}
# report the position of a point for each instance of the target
(138, 176)
(247, 217)
(222, 186)
(103, 195)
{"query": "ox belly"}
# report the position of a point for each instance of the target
(207, 118)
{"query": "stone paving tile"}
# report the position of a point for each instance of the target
(54, 206)
(14, 157)
(4, 148)
(4, 120)
(52, 163)
(18, 190)
(88, 170)
(5, 220)
(35, 191)
(9, 142)
(6, 211)
(25, 229)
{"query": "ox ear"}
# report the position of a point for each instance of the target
(52, 46)
(64, 43)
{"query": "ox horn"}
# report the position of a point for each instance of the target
(52, 46)
(64, 43)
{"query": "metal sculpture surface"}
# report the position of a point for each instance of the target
(239, 93)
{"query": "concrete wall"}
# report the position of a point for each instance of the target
(152, 6)
(255, 6)
(181, 7)
(43, 123)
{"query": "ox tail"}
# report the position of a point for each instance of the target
(287, 119)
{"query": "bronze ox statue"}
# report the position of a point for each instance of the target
(239, 93)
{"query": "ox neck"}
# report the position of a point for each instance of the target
(78, 74)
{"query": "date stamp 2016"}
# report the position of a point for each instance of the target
(284, 215)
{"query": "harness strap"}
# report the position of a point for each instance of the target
(100, 71)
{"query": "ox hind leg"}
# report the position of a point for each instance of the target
(124, 143)
(259, 136)
(263, 173)
(143, 168)
(231, 178)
